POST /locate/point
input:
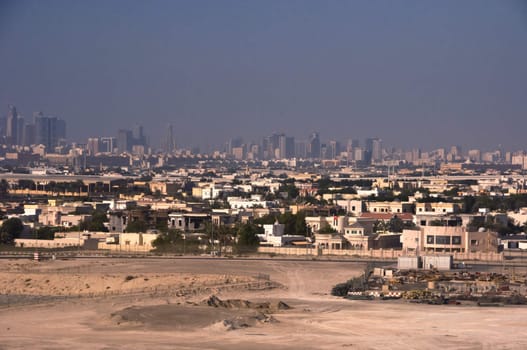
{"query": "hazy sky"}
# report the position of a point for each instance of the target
(414, 73)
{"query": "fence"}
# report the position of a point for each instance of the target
(153, 292)
(388, 254)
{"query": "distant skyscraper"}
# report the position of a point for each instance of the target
(474, 155)
(376, 152)
(300, 149)
(107, 144)
(351, 145)
(49, 131)
(124, 140)
(170, 142)
(93, 145)
(29, 134)
(267, 148)
(333, 149)
(3, 121)
(60, 130)
(324, 154)
(274, 145)
(20, 130)
(455, 153)
(138, 135)
(358, 154)
(254, 152)
(313, 146)
(373, 150)
(289, 147)
(12, 126)
(286, 146)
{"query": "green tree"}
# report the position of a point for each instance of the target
(247, 236)
(45, 232)
(136, 226)
(395, 224)
(96, 223)
(300, 224)
(11, 229)
(451, 192)
(26, 184)
(266, 220)
(327, 229)
(4, 187)
(167, 239)
(289, 188)
(294, 223)
(380, 226)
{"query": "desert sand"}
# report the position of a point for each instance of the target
(162, 304)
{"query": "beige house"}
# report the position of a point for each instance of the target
(437, 208)
(390, 207)
(329, 241)
(131, 242)
(449, 239)
(164, 188)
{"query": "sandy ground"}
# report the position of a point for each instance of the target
(49, 306)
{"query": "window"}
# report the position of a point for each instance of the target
(456, 239)
(423, 223)
(442, 239)
(474, 242)
(353, 208)
(430, 239)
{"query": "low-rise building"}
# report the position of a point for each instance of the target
(351, 206)
(274, 236)
(389, 207)
(188, 221)
(437, 208)
(449, 239)
(255, 201)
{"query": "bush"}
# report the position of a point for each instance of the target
(354, 284)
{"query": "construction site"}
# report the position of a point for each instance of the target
(437, 280)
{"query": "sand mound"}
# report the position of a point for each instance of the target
(213, 312)
(171, 317)
(239, 322)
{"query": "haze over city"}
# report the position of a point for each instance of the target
(272, 174)
(414, 73)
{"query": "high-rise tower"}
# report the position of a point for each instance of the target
(12, 126)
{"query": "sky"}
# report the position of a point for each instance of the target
(414, 73)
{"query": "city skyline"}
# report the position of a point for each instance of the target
(415, 74)
(51, 132)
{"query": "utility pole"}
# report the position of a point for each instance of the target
(212, 238)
